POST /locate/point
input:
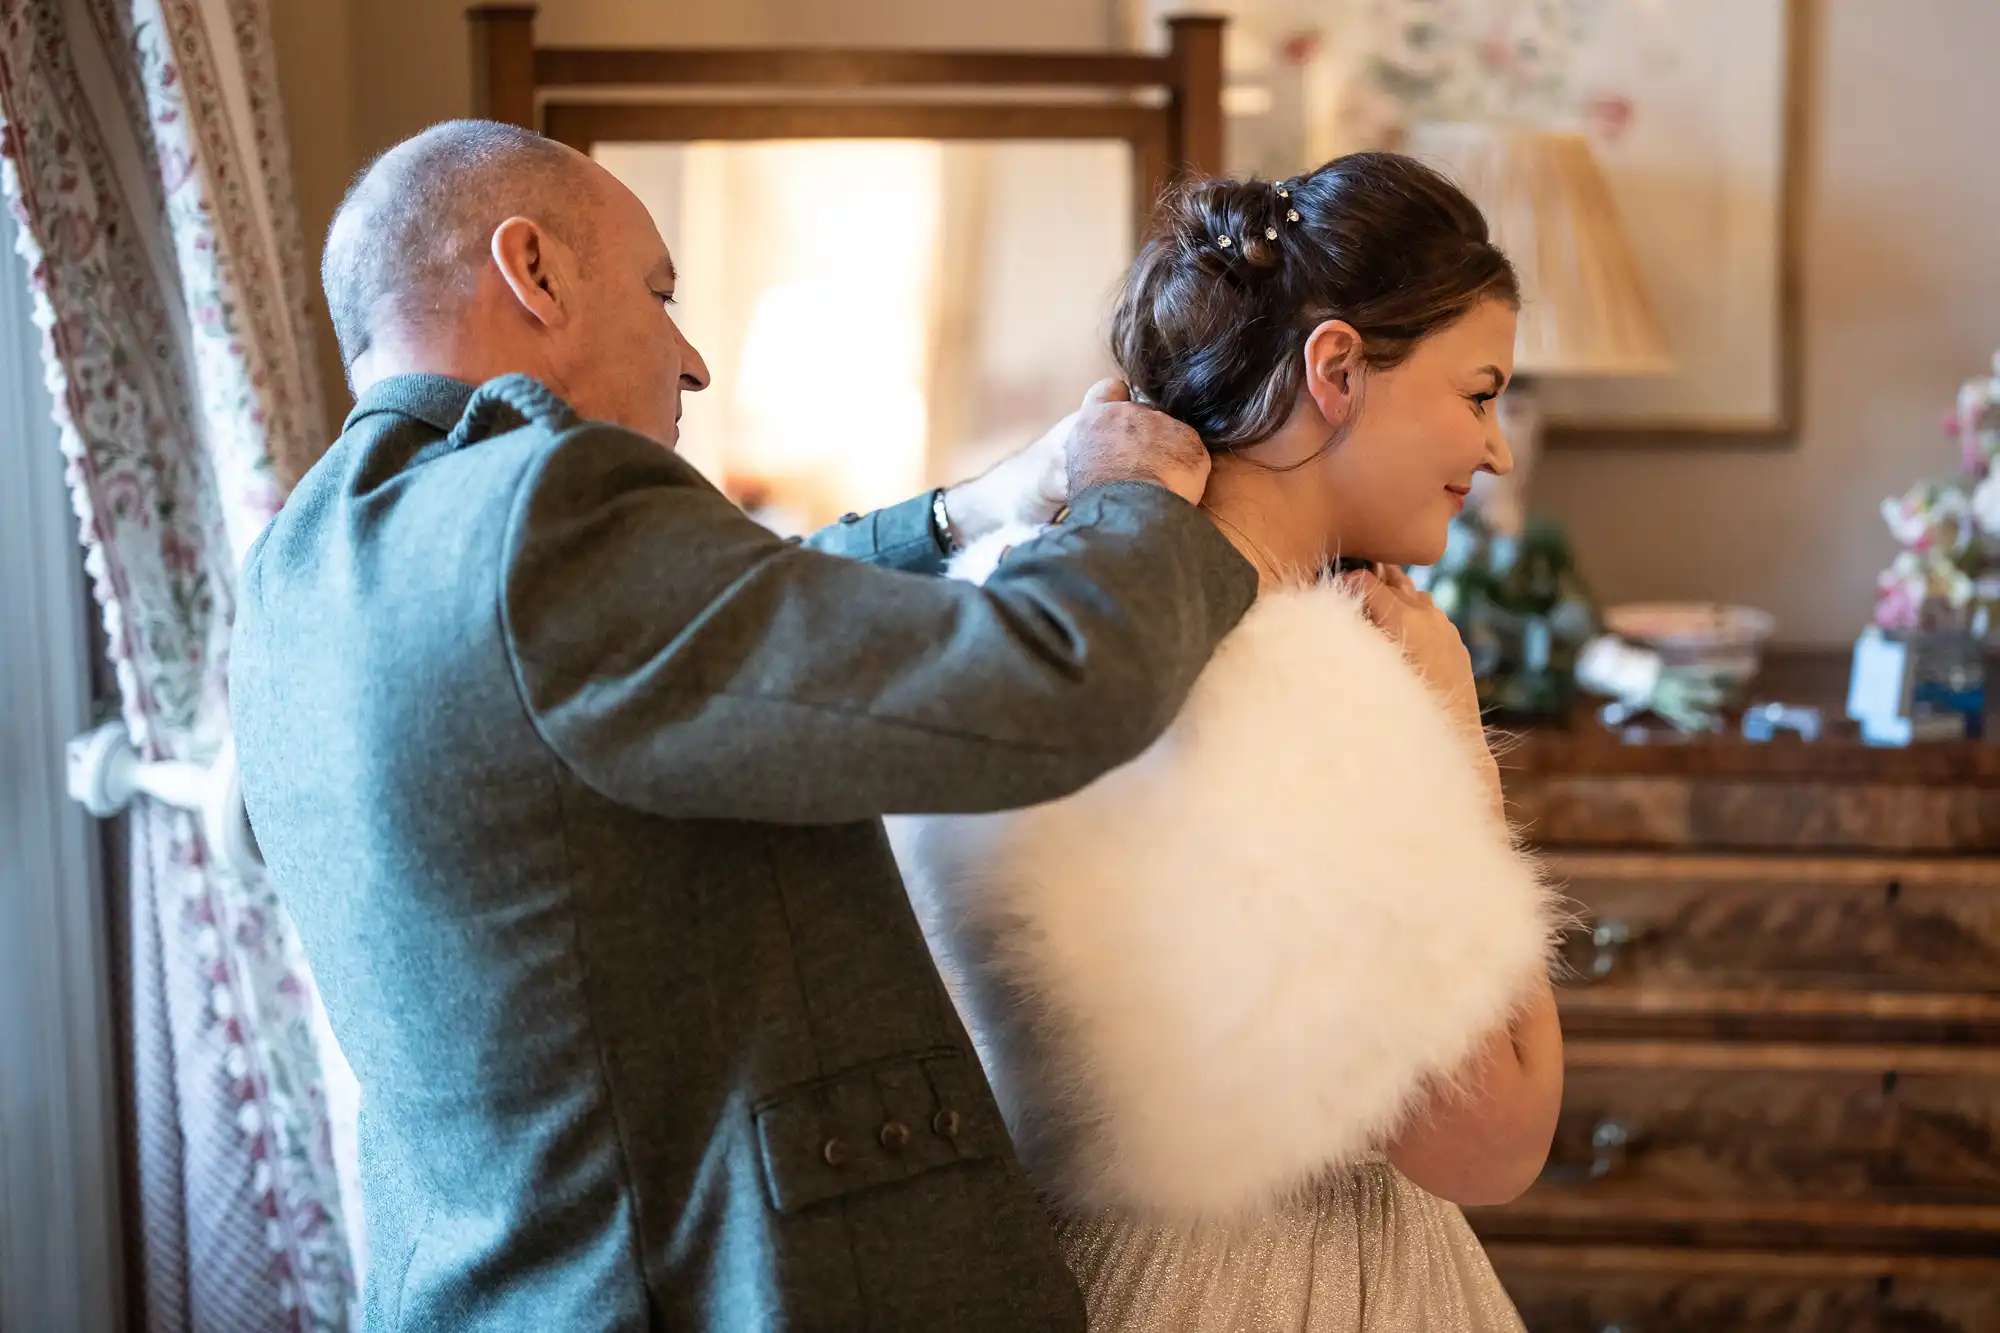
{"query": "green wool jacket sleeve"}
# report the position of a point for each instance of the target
(899, 537)
(682, 660)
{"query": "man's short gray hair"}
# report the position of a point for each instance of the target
(408, 237)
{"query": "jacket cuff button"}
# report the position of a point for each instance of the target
(945, 1124)
(835, 1152)
(895, 1135)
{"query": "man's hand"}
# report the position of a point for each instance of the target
(1108, 439)
(1117, 440)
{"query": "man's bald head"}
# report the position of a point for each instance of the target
(409, 239)
(477, 250)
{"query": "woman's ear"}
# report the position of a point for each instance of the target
(1333, 370)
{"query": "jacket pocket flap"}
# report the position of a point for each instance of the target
(874, 1125)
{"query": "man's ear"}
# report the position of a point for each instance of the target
(1333, 370)
(533, 265)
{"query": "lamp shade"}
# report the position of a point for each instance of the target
(1585, 306)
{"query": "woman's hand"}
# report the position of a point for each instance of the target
(1394, 604)
(1432, 642)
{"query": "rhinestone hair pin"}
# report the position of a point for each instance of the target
(1224, 242)
(1284, 189)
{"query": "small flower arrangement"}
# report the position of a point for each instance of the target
(1948, 573)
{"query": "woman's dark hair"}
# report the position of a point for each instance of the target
(1236, 275)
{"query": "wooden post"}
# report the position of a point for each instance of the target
(503, 63)
(1196, 55)
(1152, 177)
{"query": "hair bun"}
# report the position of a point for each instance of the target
(1235, 225)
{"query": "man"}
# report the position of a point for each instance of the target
(572, 778)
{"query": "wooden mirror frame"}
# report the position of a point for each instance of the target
(584, 96)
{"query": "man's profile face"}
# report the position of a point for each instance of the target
(631, 352)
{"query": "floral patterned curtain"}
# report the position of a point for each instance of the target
(143, 153)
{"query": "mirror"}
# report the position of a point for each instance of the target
(882, 316)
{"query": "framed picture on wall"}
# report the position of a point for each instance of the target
(1693, 109)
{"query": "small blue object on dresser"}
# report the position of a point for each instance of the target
(1762, 722)
(1907, 687)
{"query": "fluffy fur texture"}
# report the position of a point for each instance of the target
(1243, 959)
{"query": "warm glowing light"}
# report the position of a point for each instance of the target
(880, 316)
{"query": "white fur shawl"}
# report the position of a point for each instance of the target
(1243, 958)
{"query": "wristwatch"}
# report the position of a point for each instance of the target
(941, 528)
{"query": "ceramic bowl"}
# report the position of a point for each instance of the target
(1728, 638)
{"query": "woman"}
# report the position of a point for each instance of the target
(1264, 1005)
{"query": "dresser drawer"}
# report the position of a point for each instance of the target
(1827, 1147)
(1592, 1290)
(1715, 812)
(1783, 947)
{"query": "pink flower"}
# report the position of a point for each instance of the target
(1612, 113)
(1905, 517)
(70, 334)
(178, 554)
(1929, 516)
(1974, 410)
(72, 235)
(1300, 47)
(1897, 603)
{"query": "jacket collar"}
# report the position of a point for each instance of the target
(436, 400)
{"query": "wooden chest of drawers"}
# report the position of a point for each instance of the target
(1782, 1104)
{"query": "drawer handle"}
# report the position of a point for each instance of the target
(1605, 942)
(1608, 938)
(1610, 1143)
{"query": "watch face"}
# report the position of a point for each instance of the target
(941, 528)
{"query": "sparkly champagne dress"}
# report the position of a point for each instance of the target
(1208, 988)
(1371, 1253)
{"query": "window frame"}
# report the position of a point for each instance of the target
(61, 1254)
